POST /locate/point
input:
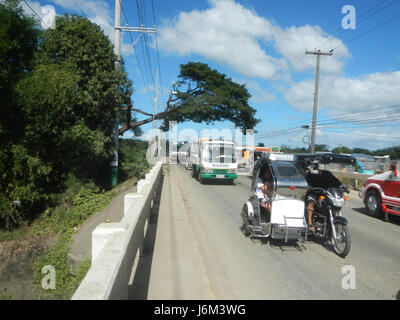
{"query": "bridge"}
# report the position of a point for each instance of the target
(179, 239)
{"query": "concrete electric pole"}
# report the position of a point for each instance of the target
(117, 51)
(318, 53)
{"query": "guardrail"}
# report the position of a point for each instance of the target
(115, 246)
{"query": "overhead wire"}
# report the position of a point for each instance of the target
(136, 55)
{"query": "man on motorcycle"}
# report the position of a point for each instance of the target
(317, 178)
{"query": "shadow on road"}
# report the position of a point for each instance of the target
(138, 290)
(392, 218)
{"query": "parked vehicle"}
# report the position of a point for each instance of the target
(214, 159)
(381, 193)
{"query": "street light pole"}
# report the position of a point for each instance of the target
(318, 53)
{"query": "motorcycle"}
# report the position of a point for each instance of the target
(328, 220)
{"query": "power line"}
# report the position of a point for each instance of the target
(79, 7)
(35, 12)
(137, 58)
(301, 56)
(358, 117)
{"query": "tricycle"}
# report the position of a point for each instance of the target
(295, 180)
(285, 219)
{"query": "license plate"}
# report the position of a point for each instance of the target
(220, 176)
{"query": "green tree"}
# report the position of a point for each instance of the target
(93, 91)
(63, 103)
(18, 42)
(287, 149)
(321, 148)
(362, 151)
(342, 149)
(204, 95)
(102, 88)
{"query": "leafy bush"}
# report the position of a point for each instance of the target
(63, 219)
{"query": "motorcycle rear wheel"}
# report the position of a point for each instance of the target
(342, 243)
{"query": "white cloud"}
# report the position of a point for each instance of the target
(227, 33)
(338, 95)
(368, 138)
(258, 94)
(292, 43)
(232, 34)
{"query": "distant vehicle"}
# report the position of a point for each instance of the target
(214, 160)
(381, 193)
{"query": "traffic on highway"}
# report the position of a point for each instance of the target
(260, 225)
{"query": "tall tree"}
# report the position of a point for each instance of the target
(18, 42)
(204, 95)
(102, 88)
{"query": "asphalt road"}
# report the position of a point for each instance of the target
(195, 250)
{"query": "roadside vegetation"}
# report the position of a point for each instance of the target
(59, 92)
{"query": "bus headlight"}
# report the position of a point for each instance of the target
(206, 170)
(232, 171)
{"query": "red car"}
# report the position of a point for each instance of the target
(381, 193)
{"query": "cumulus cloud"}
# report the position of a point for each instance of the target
(231, 34)
(258, 94)
(338, 95)
(227, 33)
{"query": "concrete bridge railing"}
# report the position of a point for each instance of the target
(115, 246)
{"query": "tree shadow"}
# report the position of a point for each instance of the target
(139, 288)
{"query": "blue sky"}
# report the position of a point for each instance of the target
(261, 44)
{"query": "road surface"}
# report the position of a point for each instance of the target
(195, 250)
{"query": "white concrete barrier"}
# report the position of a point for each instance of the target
(115, 246)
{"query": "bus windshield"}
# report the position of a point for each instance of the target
(219, 153)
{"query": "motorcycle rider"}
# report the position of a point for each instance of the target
(317, 178)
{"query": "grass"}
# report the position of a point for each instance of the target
(61, 221)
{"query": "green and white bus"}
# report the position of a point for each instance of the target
(214, 160)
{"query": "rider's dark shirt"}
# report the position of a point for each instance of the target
(323, 180)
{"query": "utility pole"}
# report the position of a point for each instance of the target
(117, 51)
(155, 111)
(318, 53)
(115, 133)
